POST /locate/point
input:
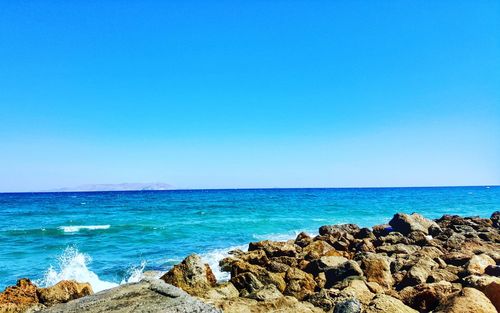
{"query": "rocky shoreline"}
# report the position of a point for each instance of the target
(413, 264)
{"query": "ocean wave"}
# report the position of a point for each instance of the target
(74, 265)
(213, 257)
(77, 228)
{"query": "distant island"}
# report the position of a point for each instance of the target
(116, 187)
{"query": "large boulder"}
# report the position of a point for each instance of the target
(489, 285)
(348, 306)
(146, 296)
(63, 292)
(341, 272)
(478, 263)
(262, 274)
(19, 298)
(383, 304)
(377, 268)
(191, 275)
(419, 272)
(266, 293)
(466, 301)
(405, 223)
(299, 284)
(324, 263)
(426, 297)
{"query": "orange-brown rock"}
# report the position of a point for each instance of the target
(63, 292)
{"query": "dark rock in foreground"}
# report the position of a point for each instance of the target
(151, 295)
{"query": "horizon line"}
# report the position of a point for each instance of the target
(247, 188)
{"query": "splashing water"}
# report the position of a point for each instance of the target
(73, 265)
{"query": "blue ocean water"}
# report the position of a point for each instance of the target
(111, 237)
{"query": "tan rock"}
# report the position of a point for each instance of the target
(478, 263)
(489, 285)
(275, 248)
(19, 298)
(266, 293)
(281, 305)
(63, 292)
(191, 275)
(222, 291)
(377, 269)
(419, 272)
(260, 273)
(405, 223)
(316, 249)
(426, 297)
(299, 283)
(385, 304)
(467, 301)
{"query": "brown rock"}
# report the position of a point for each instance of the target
(19, 298)
(191, 275)
(405, 223)
(282, 305)
(316, 249)
(377, 269)
(385, 304)
(299, 284)
(341, 272)
(478, 263)
(303, 239)
(223, 291)
(439, 274)
(419, 272)
(489, 285)
(246, 281)
(274, 248)
(398, 249)
(426, 297)
(324, 263)
(63, 292)
(266, 293)
(467, 301)
(260, 273)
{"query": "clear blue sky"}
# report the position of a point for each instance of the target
(214, 94)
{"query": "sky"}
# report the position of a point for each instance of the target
(248, 94)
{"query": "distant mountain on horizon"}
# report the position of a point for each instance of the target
(116, 187)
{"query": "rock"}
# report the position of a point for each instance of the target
(260, 273)
(223, 291)
(426, 297)
(419, 272)
(466, 301)
(63, 292)
(348, 306)
(303, 240)
(439, 274)
(324, 263)
(381, 230)
(282, 304)
(341, 272)
(405, 223)
(274, 248)
(489, 285)
(316, 249)
(146, 296)
(495, 218)
(365, 233)
(277, 267)
(377, 269)
(385, 304)
(492, 270)
(266, 293)
(398, 249)
(478, 263)
(351, 229)
(357, 288)
(20, 297)
(457, 258)
(191, 275)
(299, 284)
(247, 281)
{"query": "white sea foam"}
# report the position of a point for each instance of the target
(283, 236)
(72, 264)
(135, 274)
(213, 257)
(77, 228)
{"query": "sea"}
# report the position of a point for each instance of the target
(111, 238)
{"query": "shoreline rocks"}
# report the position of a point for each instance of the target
(413, 264)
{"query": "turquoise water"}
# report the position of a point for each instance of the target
(111, 237)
